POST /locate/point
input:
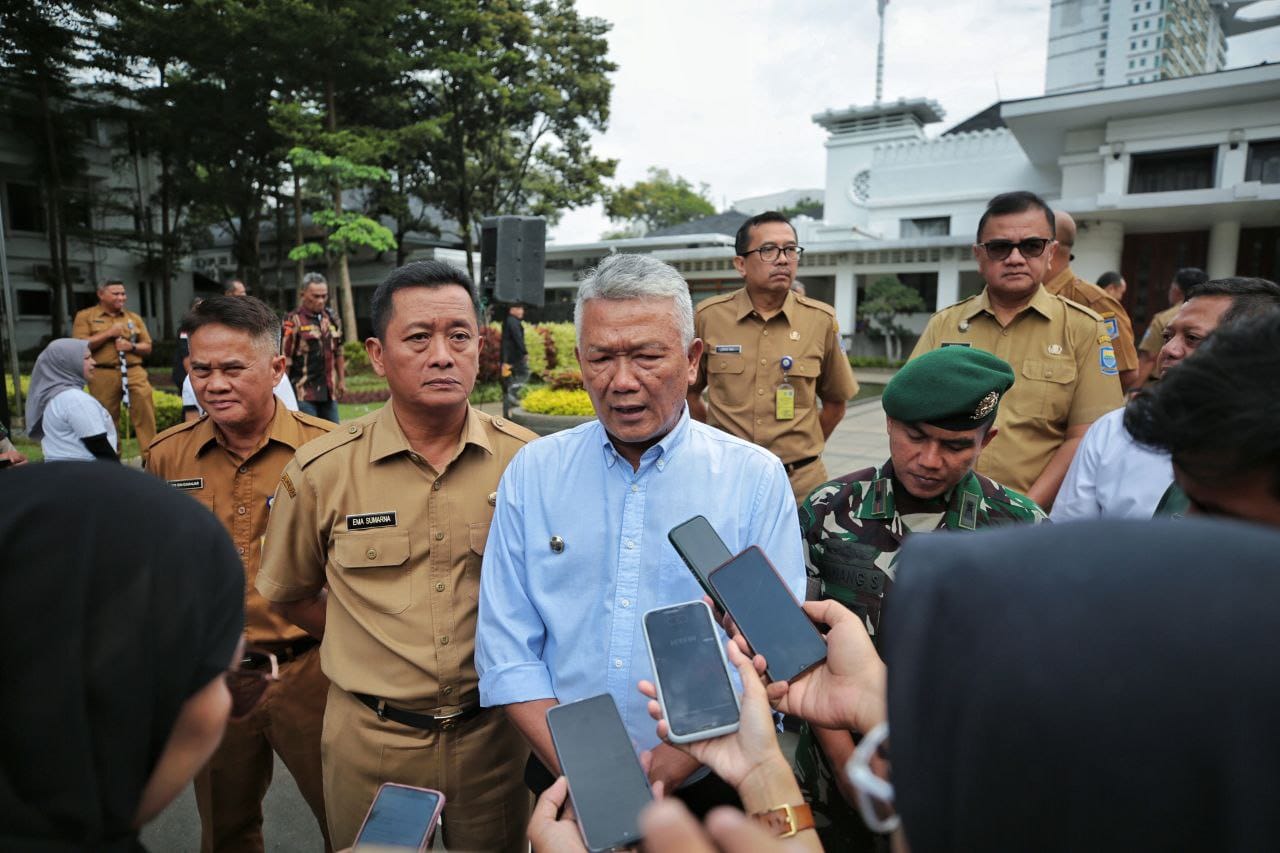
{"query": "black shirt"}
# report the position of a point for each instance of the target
(513, 349)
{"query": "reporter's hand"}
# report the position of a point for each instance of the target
(847, 690)
(549, 828)
(14, 457)
(668, 827)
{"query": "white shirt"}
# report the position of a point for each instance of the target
(1112, 476)
(283, 390)
(69, 417)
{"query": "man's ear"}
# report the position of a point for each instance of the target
(373, 346)
(986, 439)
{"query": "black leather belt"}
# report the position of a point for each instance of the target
(799, 463)
(426, 722)
(286, 652)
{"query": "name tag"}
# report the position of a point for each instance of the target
(370, 520)
(187, 485)
(728, 347)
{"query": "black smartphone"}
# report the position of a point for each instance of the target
(691, 672)
(606, 784)
(401, 817)
(768, 615)
(702, 550)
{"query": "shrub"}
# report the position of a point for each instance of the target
(569, 379)
(537, 349)
(565, 340)
(486, 392)
(168, 409)
(356, 356)
(873, 361)
(549, 347)
(552, 401)
(491, 354)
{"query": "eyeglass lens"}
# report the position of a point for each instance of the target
(1032, 247)
(770, 253)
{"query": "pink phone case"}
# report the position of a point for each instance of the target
(435, 816)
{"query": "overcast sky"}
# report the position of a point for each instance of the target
(723, 91)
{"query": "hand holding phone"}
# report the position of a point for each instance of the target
(401, 817)
(702, 550)
(690, 672)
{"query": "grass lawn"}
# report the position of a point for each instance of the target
(867, 390)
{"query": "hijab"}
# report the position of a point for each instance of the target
(112, 614)
(59, 367)
(1095, 686)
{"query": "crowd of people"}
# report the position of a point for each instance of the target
(418, 586)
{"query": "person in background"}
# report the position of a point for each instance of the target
(1149, 369)
(116, 335)
(181, 366)
(69, 423)
(313, 350)
(515, 358)
(1114, 284)
(234, 287)
(9, 455)
(119, 618)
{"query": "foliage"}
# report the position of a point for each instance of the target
(661, 201)
(806, 206)
(356, 357)
(886, 299)
(549, 348)
(486, 392)
(168, 409)
(874, 361)
(566, 340)
(536, 347)
(490, 354)
(569, 379)
(550, 401)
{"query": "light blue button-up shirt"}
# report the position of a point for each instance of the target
(567, 625)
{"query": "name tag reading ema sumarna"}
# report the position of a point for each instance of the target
(370, 520)
(188, 485)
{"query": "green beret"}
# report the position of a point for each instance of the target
(955, 387)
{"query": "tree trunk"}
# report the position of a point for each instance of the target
(56, 274)
(299, 266)
(167, 249)
(280, 252)
(59, 273)
(348, 313)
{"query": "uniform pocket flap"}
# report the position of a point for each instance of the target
(1061, 371)
(479, 535)
(371, 550)
(722, 363)
(808, 367)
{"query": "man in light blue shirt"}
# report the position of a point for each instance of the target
(578, 550)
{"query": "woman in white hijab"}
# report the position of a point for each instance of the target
(70, 424)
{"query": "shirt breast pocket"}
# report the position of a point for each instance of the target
(375, 567)
(803, 376)
(724, 375)
(1047, 391)
(478, 534)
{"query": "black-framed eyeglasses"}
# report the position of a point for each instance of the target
(249, 681)
(769, 253)
(1031, 247)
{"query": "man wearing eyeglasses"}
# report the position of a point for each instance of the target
(1062, 356)
(1061, 280)
(771, 355)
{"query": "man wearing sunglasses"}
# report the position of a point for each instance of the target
(771, 355)
(1061, 353)
(1061, 280)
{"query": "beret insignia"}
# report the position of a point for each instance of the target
(986, 405)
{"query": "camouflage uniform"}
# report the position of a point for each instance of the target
(854, 528)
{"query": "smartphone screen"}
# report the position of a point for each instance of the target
(768, 615)
(701, 548)
(400, 817)
(689, 666)
(608, 788)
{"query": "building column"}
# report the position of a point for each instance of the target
(846, 297)
(948, 282)
(1224, 246)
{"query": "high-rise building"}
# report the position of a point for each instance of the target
(1097, 43)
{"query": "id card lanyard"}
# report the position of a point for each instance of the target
(784, 398)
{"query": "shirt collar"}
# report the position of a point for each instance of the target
(1041, 303)
(284, 429)
(388, 439)
(742, 306)
(1060, 280)
(661, 452)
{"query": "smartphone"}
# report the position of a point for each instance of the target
(691, 672)
(702, 550)
(768, 615)
(606, 784)
(401, 817)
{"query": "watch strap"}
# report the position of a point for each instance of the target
(786, 820)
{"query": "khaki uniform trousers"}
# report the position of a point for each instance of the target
(479, 766)
(805, 480)
(229, 790)
(105, 388)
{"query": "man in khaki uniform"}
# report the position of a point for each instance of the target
(1149, 368)
(770, 355)
(391, 512)
(1060, 280)
(1061, 354)
(111, 332)
(230, 461)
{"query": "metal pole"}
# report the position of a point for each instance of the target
(880, 51)
(10, 313)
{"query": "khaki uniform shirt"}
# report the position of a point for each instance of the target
(1153, 339)
(742, 367)
(1064, 376)
(1068, 285)
(193, 458)
(91, 321)
(399, 545)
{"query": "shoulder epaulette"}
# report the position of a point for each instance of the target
(816, 303)
(175, 430)
(313, 421)
(715, 300)
(317, 447)
(522, 434)
(1082, 308)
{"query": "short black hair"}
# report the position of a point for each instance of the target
(418, 274)
(108, 282)
(742, 240)
(1109, 277)
(1188, 277)
(1018, 201)
(1250, 297)
(245, 313)
(1216, 413)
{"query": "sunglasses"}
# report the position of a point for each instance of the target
(998, 250)
(874, 793)
(249, 681)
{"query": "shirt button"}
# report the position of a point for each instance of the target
(353, 430)
(241, 550)
(444, 641)
(760, 392)
(634, 488)
(439, 587)
(435, 487)
(764, 361)
(617, 663)
(244, 469)
(626, 602)
(766, 333)
(759, 420)
(415, 457)
(439, 535)
(371, 553)
(241, 510)
(447, 691)
(630, 545)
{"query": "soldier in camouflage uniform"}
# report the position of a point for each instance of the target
(941, 410)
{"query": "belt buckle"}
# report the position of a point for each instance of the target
(448, 721)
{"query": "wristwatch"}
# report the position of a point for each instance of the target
(786, 820)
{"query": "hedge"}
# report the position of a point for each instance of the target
(548, 401)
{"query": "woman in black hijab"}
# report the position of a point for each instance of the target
(121, 607)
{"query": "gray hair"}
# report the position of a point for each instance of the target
(623, 276)
(313, 278)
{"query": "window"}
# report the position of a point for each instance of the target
(934, 226)
(1106, 16)
(1133, 45)
(1144, 42)
(1146, 25)
(1130, 63)
(1102, 54)
(1101, 73)
(25, 208)
(1142, 61)
(35, 303)
(1264, 162)
(1170, 171)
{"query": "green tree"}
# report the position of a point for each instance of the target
(886, 299)
(659, 202)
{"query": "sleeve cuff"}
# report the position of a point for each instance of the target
(516, 682)
(272, 591)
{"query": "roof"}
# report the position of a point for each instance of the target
(988, 119)
(718, 223)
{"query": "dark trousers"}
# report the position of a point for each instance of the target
(327, 409)
(701, 797)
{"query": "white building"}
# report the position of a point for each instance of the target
(1179, 172)
(1102, 43)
